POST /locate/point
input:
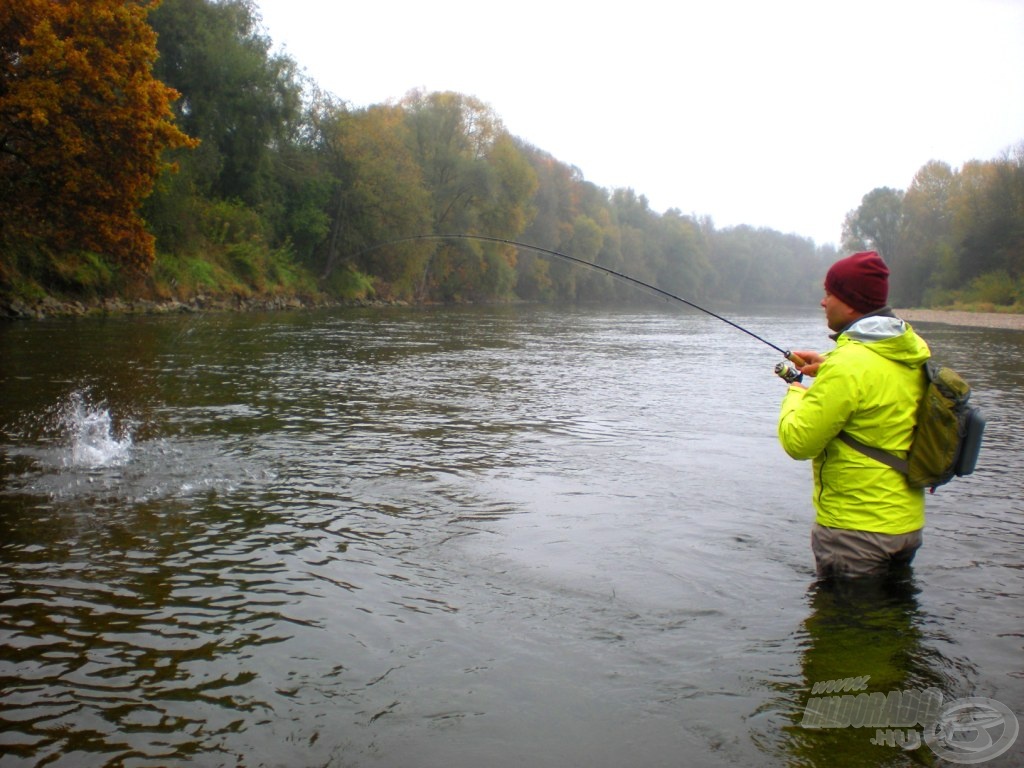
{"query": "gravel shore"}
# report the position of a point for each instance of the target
(975, 319)
(50, 307)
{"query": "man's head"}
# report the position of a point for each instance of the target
(860, 283)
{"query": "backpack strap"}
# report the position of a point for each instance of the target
(890, 460)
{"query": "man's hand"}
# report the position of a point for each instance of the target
(812, 360)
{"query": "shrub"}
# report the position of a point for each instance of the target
(996, 288)
(349, 283)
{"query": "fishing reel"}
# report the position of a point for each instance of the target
(788, 372)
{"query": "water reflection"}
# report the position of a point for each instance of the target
(150, 622)
(862, 638)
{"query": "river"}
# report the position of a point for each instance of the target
(502, 536)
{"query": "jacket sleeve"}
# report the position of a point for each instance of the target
(811, 418)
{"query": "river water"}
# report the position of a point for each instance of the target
(464, 537)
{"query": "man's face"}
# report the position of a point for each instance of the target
(838, 314)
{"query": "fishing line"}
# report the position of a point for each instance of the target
(621, 276)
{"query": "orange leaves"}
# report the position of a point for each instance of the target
(83, 124)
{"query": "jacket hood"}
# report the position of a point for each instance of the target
(889, 337)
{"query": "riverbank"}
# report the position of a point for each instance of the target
(16, 309)
(972, 319)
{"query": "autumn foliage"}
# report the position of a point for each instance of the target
(83, 123)
(295, 191)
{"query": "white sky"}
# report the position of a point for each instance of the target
(780, 114)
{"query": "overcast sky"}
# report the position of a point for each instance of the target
(779, 114)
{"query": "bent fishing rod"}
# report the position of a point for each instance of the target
(789, 355)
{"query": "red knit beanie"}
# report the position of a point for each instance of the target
(860, 280)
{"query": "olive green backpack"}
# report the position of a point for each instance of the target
(947, 438)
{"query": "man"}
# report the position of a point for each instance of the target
(868, 519)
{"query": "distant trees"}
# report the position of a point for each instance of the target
(83, 125)
(286, 188)
(241, 101)
(478, 182)
(924, 250)
(878, 220)
(953, 235)
(375, 193)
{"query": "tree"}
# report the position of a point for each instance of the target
(928, 247)
(507, 208)
(479, 182)
(876, 223)
(83, 125)
(376, 193)
(993, 204)
(240, 100)
(684, 265)
(556, 204)
(450, 136)
(764, 266)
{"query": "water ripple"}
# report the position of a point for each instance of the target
(501, 536)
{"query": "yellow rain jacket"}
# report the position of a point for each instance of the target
(869, 386)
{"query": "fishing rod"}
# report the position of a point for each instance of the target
(789, 355)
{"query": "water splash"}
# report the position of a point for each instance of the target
(80, 451)
(93, 440)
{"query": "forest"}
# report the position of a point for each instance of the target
(164, 151)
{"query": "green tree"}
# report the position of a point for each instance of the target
(377, 194)
(994, 195)
(638, 247)
(508, 206)
(242, 101)
(762, 266)
(684, 262)
(740, 275)
(556, 203)
(449, 136)
(929, 244)
(479, 182)
(876, 223)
